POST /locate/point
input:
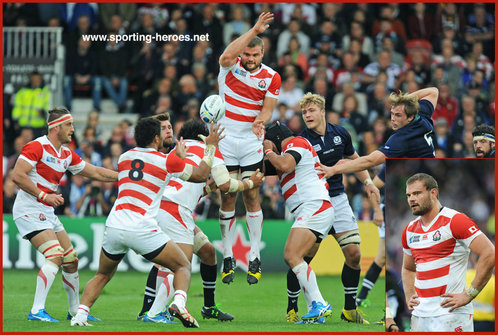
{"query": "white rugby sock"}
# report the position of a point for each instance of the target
(180, 298)
(163, 296)
(44, 281)
(162, 273)
(71, 284)
(307, 281)
(227, 226)
(254, 228)
(82, 313)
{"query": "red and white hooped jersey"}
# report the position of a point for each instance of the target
(185, 193)
(303, 183)
(49, 166)
(441, 252)
(143, 175)
(244, 93)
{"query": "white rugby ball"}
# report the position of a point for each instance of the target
(212, 109)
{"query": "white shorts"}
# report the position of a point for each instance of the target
(344, 217)
(382, 231)
(177, 222)
(317, 215)
(31, 224)
(119, 241)
(240, 151)
(443, 323)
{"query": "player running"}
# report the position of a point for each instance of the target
(38, 171)
(436, 248)
(175, 218)
(413, 132)
(250, 90)
(132, 224)
(484, 141)
(307, 198)
(332, 143)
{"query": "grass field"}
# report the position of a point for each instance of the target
(257, 308)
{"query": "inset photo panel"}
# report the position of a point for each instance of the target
(440, 255)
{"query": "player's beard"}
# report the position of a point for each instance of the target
(423, 207)
(253, 67)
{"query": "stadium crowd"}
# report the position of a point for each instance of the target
(352, 54)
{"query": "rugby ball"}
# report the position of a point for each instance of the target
(212, 109)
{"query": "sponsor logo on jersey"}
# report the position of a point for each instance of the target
(436, 236)
(260, 150)
(42, 217)
(240, 72)
(337, 140)
(58, 161)
(262, 84)
(317, 147)
(414, 239)
(424, 237)
(328, 151)
(459, 329)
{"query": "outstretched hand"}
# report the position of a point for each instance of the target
(215, 135)
(263, 22)
(327, 171)
(181, 149)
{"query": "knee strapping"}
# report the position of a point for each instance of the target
(70, 256)
(352, 237)
(199, 240)
(51, 250)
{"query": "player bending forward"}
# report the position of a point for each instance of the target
(250, 90)
(436, 249)
(307, 198)
(175, 219)
(132, 224)
(38, 171)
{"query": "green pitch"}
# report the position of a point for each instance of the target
(257, 308)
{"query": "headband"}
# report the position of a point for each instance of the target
(488, 137)
(63, 119)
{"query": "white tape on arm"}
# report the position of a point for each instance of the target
(220, 175)
(209, 154)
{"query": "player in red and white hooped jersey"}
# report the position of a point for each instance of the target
(38, 172)
(143, 175)
(250, 90)
(436, 249)
(307, 198)
(175, 218)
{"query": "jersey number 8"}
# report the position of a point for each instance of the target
(136, 172)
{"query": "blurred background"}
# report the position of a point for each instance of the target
(465, 185)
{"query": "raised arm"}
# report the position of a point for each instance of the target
(355, 165)
(99, 173)
(431, 94)
(233, 50)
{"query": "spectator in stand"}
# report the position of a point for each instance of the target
(108, 12)
(349, 71)
(293, 29)
(420, 68)
(208, 23)
(452, 66)
(324, 89)
(144, 63)
(297, 56)
(323, 65)
(467, 119)
(360, 58)
(449, 32)
(19, 142)
(290, 95)
(117, 136)
(301, 11)
(447, 13)
(357, 32)
(31, 104)
(188, 90)
(87, 152)
(90, 135)
(447, 106)
(381, 131)
(444, 141)
(111, 161)
(386, 30)
(327, 40)
(203, 81)
(81, 69)
(483, 62)
(480, 28)
(332, 12)
(72, 12)
(72, 36)
(151, 97)
(238, 24)
(420, 23)
(376, 102)
(350, 113)
(270, 57)
(204, 53)
(113, 63)
(396, 57)
(93, 122)
(383, 63)
(348, 88)
(387, 14)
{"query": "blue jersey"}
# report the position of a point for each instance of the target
(332, 147)
(415, 140)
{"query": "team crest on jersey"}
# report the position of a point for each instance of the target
(436, 236)
(65, 164)
(262, 84)
(414, 239)
(337, 140)
(42, 217)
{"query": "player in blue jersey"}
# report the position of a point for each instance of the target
(333, 143)
(413, 132)
(484, 141)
